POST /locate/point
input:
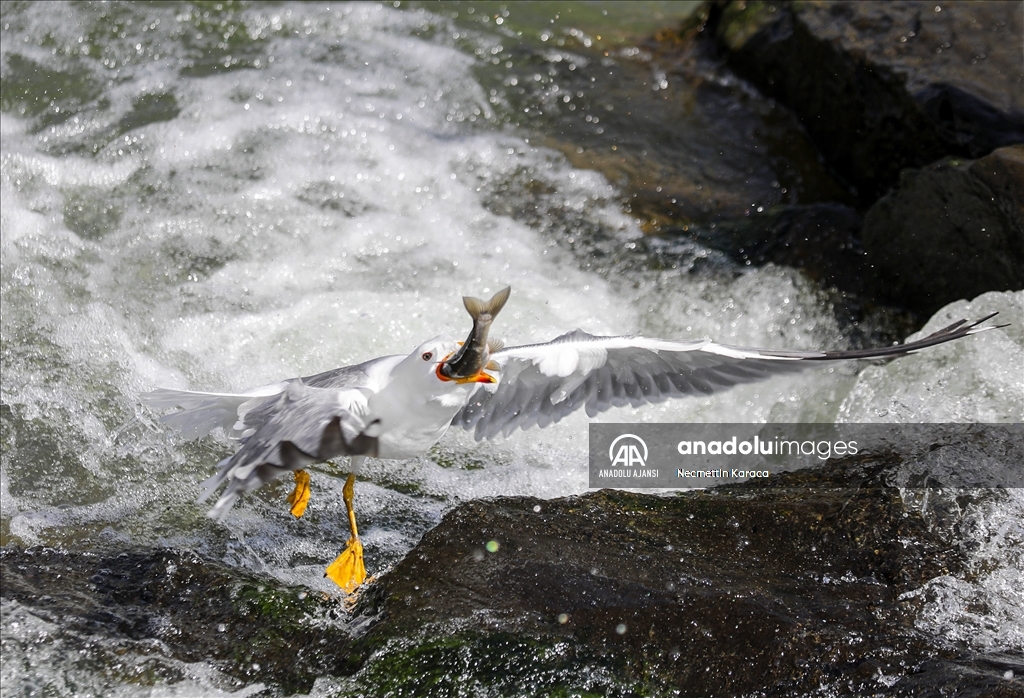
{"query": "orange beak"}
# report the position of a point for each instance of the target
(479, 377)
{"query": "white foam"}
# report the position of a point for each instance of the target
(46, 658)
(977, 379)
(983, 607)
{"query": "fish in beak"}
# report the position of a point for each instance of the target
(468, 363)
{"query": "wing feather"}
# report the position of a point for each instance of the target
(301, 425)
(201, 413)
(282, 427)
(539, 384)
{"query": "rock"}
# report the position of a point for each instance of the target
(949, 231)
(697, 156)
(821, 239)
(777, 590)
(882, 86)
(683, 140)
(191, 609)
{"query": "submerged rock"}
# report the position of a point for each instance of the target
(176, 604)
(883, 86)
(823, 240)
(949, 231)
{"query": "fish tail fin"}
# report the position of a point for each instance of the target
(478, 308)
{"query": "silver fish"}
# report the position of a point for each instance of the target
(468, 363)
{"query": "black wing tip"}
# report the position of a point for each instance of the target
(957, 330)
(986, 319)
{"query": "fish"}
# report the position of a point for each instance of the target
(468, 363)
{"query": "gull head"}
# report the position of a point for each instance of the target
(420, 368)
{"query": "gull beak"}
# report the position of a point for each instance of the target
(478, 377)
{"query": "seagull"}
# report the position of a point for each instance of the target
(399, 406)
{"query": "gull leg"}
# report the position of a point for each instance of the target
(299, 497)
(347, 570)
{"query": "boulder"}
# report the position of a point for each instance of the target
(882, 86)
(779, 589)
(182, 606)
(952, 230)
(821, 239)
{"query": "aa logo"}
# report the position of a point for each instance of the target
(628, 450)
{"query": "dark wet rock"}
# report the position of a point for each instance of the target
(149, 109)
(681, 138)
(91, 216)
(784, 587)
(775, 590)
(821, 239)
(251, 628)
(952, 230)
(34, 90)
(882, 86)
(697, 155)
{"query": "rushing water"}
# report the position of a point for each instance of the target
(212, 197)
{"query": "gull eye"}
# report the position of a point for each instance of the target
(428, 355)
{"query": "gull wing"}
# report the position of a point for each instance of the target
(282, 427)
(539, 384)
(201, 412)
(286, 432)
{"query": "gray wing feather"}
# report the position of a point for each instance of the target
(540, 384)
(282, 427)
(357, 376)
(201, 413)
(302, 425)
(527, 397)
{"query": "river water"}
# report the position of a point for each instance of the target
(215, 197)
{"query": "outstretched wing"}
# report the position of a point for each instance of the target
(288, 431)
(539, 384)
(200, 413)
(282, 427)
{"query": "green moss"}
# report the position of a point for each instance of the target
(503, 664)
(741, 20)
(454, 459)
(273, 604)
